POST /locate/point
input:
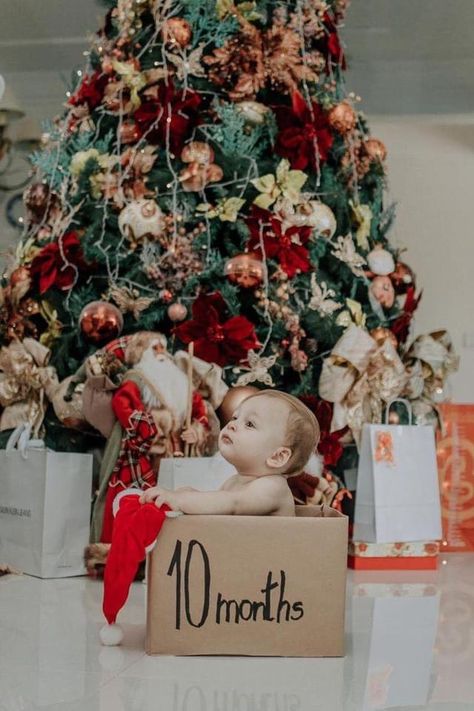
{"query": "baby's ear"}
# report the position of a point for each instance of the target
(279, 458)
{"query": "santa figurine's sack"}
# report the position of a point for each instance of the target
(45, 502)
(397, 497)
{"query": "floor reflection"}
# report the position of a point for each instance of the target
(394, 628)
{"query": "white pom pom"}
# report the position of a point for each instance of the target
(111, 635)
(380, 261)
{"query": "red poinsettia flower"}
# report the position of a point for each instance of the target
(329, 447)
(59, 263)
(329, 44)
(90, 91)
(169, 117)
(217, 339)
(304, 133)
(286, 247)
(401, 326)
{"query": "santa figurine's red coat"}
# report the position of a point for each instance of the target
(150, 407)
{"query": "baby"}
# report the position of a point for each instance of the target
(270, 437)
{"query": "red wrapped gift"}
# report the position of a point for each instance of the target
(456, 477)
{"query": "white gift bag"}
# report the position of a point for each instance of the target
(45, 503)
(201, 473)
(397, 496)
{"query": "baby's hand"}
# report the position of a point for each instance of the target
(150, 494)
(161, 496)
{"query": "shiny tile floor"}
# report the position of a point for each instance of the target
(410, 645)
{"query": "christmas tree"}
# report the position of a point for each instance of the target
(212, 179)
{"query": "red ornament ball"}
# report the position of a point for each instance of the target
(402, 278)
(177, 312)
(100, 322)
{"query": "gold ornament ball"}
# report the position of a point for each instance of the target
(100, 322)
(342, 118)
(246, 270)
(380, 335)
(234, 397)
(176, 30)
(375, 149)
(177, 312)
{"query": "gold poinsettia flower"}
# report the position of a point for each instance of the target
(286, 183)
(226, 209)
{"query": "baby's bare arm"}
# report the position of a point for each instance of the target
(262, 496)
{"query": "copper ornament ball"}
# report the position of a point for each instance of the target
(20, 275)
(382, 289)
(129, 132)
(176, 30)
(233, 398)
(37, 199)
(246, 270)
(177, 312)
(166, 295)
(342, 118)
(197, 152)
(375, 149)
(100, 322)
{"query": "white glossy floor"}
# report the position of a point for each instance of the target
(410, 645)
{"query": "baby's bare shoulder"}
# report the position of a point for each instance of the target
(273, 482)
(230, 483)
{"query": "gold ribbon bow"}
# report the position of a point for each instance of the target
(26, 383)
(429, 361)
(431, 358)
(359, 377)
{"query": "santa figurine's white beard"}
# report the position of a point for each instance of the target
(170, 382)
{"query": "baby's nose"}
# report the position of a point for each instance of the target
(231, 425)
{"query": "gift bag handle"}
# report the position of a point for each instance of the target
(407, 404)
(20, 440)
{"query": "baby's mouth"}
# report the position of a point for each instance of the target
(226, 439)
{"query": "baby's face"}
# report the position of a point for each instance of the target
(256, 430)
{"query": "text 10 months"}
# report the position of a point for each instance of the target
(272, 607)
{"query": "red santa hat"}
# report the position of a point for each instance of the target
(136, 527)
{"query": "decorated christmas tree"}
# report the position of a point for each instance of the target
(211, 179)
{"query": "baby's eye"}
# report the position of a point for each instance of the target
(249, 423)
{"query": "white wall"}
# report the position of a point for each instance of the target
(431, 177)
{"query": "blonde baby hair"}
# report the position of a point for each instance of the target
(302, 430)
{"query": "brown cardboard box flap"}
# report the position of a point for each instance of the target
(249, 585)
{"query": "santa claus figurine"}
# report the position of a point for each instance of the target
(152, 409)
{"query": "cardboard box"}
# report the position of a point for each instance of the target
(416, 555)
(249, 585)
(456, 477)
